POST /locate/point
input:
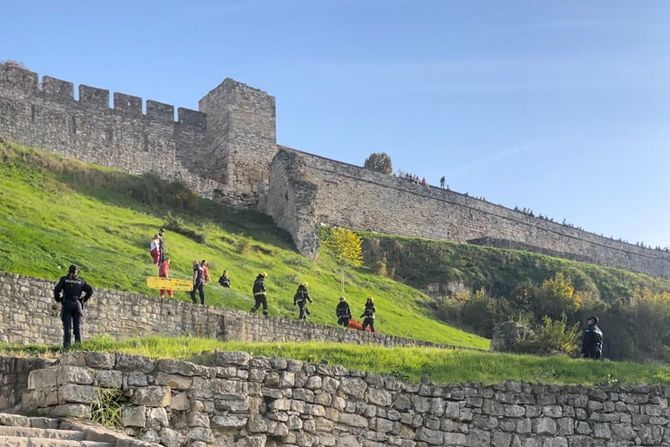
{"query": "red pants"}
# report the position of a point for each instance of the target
(155, 255)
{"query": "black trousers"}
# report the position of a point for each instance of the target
(70, 314)
(343, 321)
(260, 300)
(304, 311)
(201, 291)
(369, 322)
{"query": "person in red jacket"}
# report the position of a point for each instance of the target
(205, 270)
(164, 272)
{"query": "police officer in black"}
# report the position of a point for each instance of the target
(592, 341)
(343, 312)
(259, 294)
(301, 298)
(68, 292)
(369, 315)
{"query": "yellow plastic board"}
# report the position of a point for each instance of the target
(178, 285)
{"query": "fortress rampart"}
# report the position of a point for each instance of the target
(228, 151)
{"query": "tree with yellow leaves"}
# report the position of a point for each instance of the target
(346, 247)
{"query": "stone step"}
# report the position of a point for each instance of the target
(25, 432)
(15, 441)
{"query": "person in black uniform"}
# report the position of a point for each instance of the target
(68, 292)
(343, 312)
(369, 315)
(259, 294)
(301, 298)
(592, 341)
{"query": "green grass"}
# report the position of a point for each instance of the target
(420, 262)
(56, 211)
(441, 365)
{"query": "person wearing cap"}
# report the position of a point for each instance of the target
(369, 315)
(68, 292)
(592, 341)
(259, 294)
(161, 246)
(343, 312)
(301, 298)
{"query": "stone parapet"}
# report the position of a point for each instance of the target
(241, 400)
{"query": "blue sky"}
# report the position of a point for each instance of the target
(558, 106)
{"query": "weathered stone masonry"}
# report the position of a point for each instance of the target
(30, 315)
(257, 401)
(228, 151)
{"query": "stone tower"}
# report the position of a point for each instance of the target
(241, 139)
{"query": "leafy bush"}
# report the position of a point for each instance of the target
(379, 162)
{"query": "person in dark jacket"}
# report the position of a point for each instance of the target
(343, 312)
(224, 280)
(369, 315)
(198, 283)
(259, 294)
(592, 341)
(301, 298)
(68, 292)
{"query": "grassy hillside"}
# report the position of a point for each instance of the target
(55, 211)
(420, 262)
(442, 366)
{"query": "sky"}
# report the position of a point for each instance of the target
(559, 106)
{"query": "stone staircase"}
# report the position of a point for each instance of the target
(23, 431)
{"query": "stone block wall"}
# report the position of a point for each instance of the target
(14, 373)
(255, 401)
(307, 190)
(30, 315)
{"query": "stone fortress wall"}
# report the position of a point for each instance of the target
(246, 401)
(30, 315)
(228, 151)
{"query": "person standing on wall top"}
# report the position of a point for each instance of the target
(343, 312)
(154, 248)
(259, 294)
(369, 315)
(164, 272)
(443, 181)
(301, 298)
(592, 341)
(224, 280)
(68, 292)
(198, 283)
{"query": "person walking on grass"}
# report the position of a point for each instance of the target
(369, 315)
(260, 298)
(164, 272)
(154, 248)
(198, 283)
(161, 245)
(592, 340)
(68, 292)
(343, 312)
(205, 270)
(301, 298)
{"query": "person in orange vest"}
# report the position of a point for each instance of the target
(205, 270)
(164, 272)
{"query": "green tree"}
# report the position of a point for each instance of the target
(379, 162)
(346, 247)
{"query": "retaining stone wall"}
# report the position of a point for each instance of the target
(307, 190)
(14, 373)
(257, 401)
(30, 315)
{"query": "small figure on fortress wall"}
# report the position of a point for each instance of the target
(443, 181)
(369, 315)
(343, 312)
(592, 341)
(198, 283)
(224, 280)
(68, 292)
(301, 298)
(154, 249)
(259, 294)
(164, 272)
(205, 270)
